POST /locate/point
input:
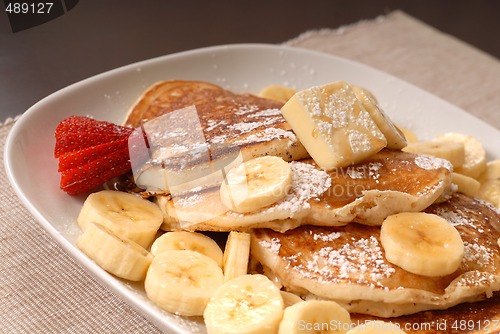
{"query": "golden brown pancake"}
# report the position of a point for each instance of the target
(195, 129)
(387, 183)
(472, 318)
(246, 121)
(348, 264)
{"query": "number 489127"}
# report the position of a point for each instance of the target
(31, 8)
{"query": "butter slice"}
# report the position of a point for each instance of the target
(333, 125)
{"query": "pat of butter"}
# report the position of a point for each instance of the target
(333, 125)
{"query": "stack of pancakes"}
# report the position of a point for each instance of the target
(323, 239)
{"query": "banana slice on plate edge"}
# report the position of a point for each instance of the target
(127, 215)
(118, 256)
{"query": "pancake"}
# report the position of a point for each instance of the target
(472, 318)
(348, 264)
(389, 182)
(195, 128)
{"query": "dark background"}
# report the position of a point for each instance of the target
(99, 35)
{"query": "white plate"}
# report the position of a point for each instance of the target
(32, 169)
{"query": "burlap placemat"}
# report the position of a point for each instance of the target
(42, 290)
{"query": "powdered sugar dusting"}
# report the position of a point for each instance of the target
(179, 139)
(336, 112)
(462, 217)
(374, 170)
(362, 260)
(429, 162)
(456, 218)
(326, 237)
(307, 182)
(244, 127)
(266, 113)
(477, 254)
(274, 245)
(245, 109)
(355, 174)
(477, 278)
(188, 200)
(212, 124)
(266, 135)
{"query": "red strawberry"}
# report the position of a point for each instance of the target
(79, 140)
(90, 153)
(84, 178)
(76, 132)
(87, 124)
(86, 155)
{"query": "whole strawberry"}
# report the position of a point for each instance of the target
(90, 153)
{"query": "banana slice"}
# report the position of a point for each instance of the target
(289, 298)
(256, 183)
(182, 281)
(466, 184)
(377, 327)
(362, 90)
(315, 316)
(454, 152)
(475, 156)
(236, 255)
(421, 243)
(332, 124)
(183, 240)
(395, 138)
(489, 189)
(410, 136)
(277, 92)
(120, 257)
(127, 215)
(249, 304)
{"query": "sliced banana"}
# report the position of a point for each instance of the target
(332, 124)
(277, 93)
(289, 298)
(236, 255)
(410, 136)
(421, 243)
(395, 138)
(249, 304)
(466, 184)
(127, 215)
(489, 190)
(182, 281)
(377, 327)
(358, 90)
(475, 156)
(454, 152)
(120, 257)
(315, 316)
(183, 240)
(256, 183)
